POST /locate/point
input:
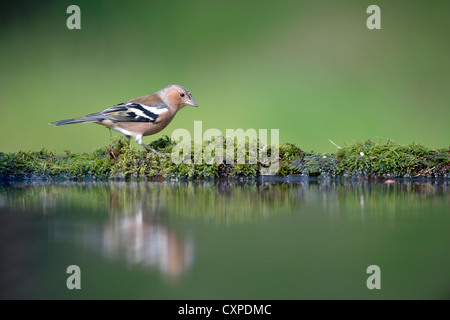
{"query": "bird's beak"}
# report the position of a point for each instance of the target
(192, 103)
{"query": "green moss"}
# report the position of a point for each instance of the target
(120, 160)
(47, 164)
(289, 153)
(316, 164)
(389, 159)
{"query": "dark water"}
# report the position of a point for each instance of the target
(211, 240)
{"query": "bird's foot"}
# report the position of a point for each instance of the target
(153, 150)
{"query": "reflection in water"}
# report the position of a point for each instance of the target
(133, 238)
(147, 244)
(130, 221)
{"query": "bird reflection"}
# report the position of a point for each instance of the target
(146, 244)
(134, 236)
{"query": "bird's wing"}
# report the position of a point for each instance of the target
(132, 112)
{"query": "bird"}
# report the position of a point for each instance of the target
(142, 116)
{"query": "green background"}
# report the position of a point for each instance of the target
(311, 69)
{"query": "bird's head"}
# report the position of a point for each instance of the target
(178, 96)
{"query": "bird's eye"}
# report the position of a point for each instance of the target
(181, 94)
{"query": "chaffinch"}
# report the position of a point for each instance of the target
(141, 116)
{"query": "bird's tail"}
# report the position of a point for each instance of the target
(72, 121)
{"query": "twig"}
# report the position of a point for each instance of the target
(334, 144)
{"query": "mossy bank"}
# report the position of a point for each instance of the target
(119, 160)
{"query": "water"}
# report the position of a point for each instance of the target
(216, 240)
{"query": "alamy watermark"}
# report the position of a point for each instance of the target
(74, 280)
(74, 20)
(374, 280)
(241, 147)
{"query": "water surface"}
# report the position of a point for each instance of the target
(225, 240)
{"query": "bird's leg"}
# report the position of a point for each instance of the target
(151, 149)
(139, 141)
(128, 139)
